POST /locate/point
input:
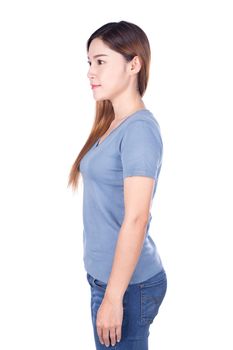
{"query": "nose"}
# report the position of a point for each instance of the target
(91, 73)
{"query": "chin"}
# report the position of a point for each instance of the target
(100, 98)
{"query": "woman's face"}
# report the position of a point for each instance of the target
(109, 71)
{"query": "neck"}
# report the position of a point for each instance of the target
(126, 105)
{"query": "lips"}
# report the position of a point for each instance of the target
(94, 86)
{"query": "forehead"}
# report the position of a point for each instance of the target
(98, 47)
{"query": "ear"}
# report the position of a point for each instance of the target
(135, 65)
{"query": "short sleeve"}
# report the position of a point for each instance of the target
(141, 149)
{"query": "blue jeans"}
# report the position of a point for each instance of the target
(141, 304)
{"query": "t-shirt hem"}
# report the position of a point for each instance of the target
(140, 173)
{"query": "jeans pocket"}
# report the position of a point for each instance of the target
(152, 294)
(99, 284)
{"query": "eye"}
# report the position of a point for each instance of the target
(97, 61)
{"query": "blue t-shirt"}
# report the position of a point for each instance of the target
(134, 147)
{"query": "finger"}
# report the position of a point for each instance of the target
(118, 333)
(106, 336)
(113, 335)
(100, 334)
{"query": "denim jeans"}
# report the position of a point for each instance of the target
(141, 304)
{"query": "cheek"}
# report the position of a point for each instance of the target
(116, 78)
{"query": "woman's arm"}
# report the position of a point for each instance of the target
(137, 199)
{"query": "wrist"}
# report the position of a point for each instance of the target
(114, 296)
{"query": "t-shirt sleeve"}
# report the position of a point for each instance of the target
(141, 149)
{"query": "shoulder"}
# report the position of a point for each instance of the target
(142, 125)
(141, 146)
(143, 115)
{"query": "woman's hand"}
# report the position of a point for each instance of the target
(109, 320)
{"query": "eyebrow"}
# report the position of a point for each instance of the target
(97, 56)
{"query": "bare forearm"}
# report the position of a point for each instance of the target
(127, 252)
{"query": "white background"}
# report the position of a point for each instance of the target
(47, 110)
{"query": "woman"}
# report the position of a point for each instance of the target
(120, 165)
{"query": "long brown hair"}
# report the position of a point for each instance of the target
(129, 40)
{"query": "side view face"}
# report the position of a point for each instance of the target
(110, 74)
